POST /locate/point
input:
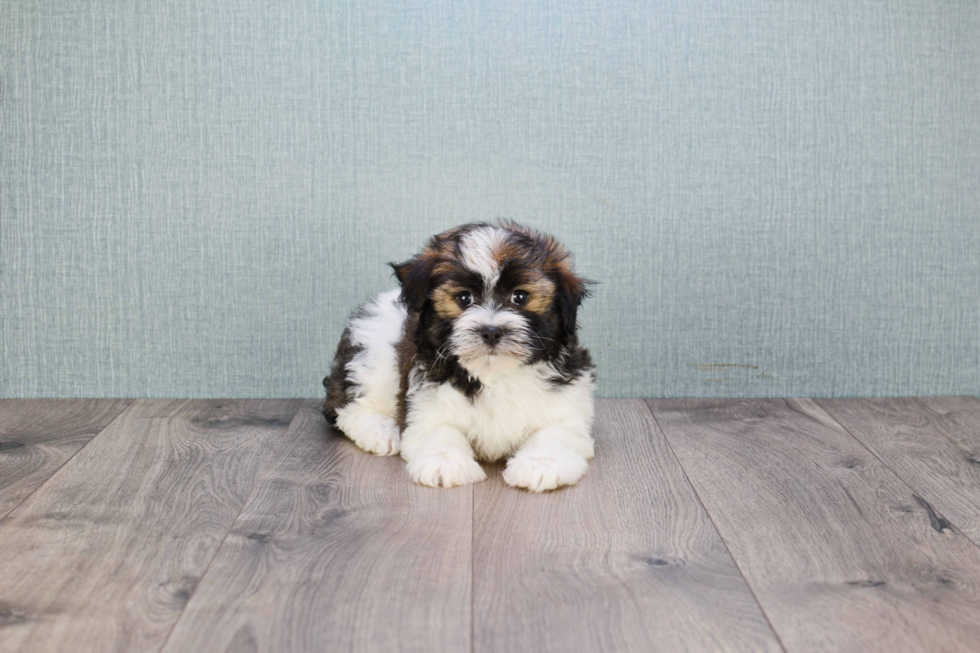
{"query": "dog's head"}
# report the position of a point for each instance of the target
(493, 296)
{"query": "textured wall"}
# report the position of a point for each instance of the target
(779, 197)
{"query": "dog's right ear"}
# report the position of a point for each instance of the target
(415, 276)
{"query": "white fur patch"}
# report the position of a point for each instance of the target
(371, 431)
(545, 462)
(374, 370)
(447, 468)
(478, 252)
(511, 408)
(369, 419)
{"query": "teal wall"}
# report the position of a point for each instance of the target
(778, 197)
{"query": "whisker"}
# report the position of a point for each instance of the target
(542, 339)
(440, 354)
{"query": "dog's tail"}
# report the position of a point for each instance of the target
(329, 410)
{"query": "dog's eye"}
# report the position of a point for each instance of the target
(464, 298)
(520, 297)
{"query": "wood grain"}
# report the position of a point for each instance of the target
(37, 436)
(933, 445)
(337, 550)
(105, 555)
(946, 404)
(842, 555)
(626, 560)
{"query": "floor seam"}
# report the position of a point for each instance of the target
(472, 568)
(915, 491)
(728, 549)
(251, 493)
(132, 402)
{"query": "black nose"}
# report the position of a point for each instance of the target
(491, 334)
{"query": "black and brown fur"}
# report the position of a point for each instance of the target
(528, 260)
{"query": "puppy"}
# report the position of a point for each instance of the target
(475, 358)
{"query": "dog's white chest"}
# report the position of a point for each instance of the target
(507, 411)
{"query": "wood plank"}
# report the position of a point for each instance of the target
(37, 437)
(933, 445)
(337, 550)
(626, 560)
(105, 555)
(842, 555)
(945, 404)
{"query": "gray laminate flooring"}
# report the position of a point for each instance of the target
(702, 525)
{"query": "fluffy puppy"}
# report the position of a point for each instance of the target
(475, 358)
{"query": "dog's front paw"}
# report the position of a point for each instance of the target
(377, 434)
(544, 469)
(445, 469)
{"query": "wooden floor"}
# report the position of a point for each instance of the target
(702, 525)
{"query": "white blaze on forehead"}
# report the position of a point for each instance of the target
(479, 248)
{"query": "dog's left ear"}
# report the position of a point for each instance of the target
(415, 276)
(570, 290)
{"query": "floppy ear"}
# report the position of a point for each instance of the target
(570, 290)
(415, 276)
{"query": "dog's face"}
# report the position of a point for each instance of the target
(493, 296)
